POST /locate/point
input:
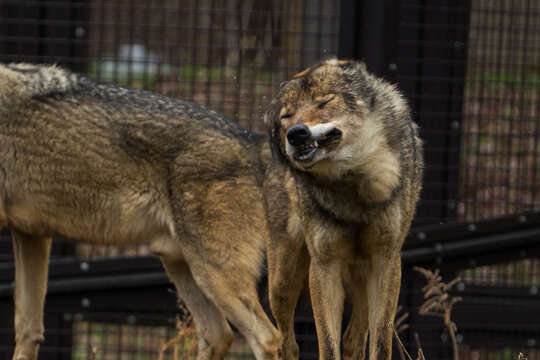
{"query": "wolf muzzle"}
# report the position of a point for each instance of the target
(306, 141)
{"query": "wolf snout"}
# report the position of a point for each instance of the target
(298, 134)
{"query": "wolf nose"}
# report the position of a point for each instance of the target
(298, 134)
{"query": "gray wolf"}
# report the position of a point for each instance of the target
(100, 163)
(341, 190)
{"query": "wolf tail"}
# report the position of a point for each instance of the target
(19, 81)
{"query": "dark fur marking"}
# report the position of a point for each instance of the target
(118, 98)
(349, 100)
(275, 145)
(323, 213)
(328, 347)
(346, 65)
(372, 101)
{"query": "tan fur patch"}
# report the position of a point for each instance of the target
(294, 226)
(336, 62)
(10, 85)
(302, 73)
(325, 98)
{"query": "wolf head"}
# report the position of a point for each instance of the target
(334, 117)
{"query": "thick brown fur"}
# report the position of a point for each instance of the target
(341, 197)
(100, 163)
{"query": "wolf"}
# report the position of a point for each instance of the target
(101, 163)
(341, 192)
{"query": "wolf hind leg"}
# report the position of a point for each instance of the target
(213, 331)
(240, 304)
(31, 268)
(288, 265)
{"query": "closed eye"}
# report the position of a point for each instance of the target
(321, 105)
(323, 100)
(286, 116)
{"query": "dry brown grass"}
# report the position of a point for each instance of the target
(185, 335)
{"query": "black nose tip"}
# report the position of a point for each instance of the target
(298, 134)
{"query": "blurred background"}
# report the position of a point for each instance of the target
(470, 70)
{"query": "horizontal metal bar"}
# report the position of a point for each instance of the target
(70, 267)
(469, 247)
(68, 286)
(451, 241)
(428, 235)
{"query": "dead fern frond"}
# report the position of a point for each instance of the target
(399, 327)
(420, 353)
(399, 322)
(185, 333)
(439, 302)
(402, 350)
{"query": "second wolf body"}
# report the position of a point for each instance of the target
(99, 163)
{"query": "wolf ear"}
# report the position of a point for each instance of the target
(272, 112)
(273, 130)
(268, 114)
(348, 65)
(275, 143)
(362, 66)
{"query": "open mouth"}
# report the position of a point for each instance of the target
(329, 137)
(307, 150)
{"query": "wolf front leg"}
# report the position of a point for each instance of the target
(356, 333)
(31, 267)
(383, 292)
(327, 297)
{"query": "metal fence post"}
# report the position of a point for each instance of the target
(431, 68)
(368, 32)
